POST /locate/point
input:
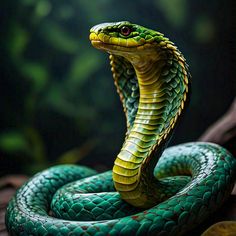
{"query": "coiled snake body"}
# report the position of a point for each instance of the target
(140, 196)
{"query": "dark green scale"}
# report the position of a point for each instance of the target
(27, 213)
(127, 85)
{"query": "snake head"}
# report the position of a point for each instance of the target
(124, 38)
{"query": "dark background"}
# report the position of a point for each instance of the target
(58, 102)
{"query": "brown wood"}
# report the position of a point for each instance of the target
(224, 129)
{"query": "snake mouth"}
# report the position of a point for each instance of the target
(112, 48)
(118, 46)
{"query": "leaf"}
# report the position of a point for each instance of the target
(75, 155)
(13, 141)
(59, 38)
(204, 29)
(27, 141)
(36, 143)
(18, 40)
(175, 11)
(83, 67)
(43, 8)
(37, 73)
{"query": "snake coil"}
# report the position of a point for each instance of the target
(152, 190)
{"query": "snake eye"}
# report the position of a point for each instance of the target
(125, 30)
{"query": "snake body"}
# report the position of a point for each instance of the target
(152, 190)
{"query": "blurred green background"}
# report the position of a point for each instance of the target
(58, 101)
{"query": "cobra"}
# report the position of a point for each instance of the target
(152, 190)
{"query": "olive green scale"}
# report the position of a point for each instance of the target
(178, 188)
(163, 89)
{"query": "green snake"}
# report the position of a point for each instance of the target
(152, 190)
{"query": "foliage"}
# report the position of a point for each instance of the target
(58, 95)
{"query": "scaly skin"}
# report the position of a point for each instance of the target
(189, 182)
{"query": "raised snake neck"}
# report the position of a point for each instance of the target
(163, 88)
(161, 76)
(152, 79)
